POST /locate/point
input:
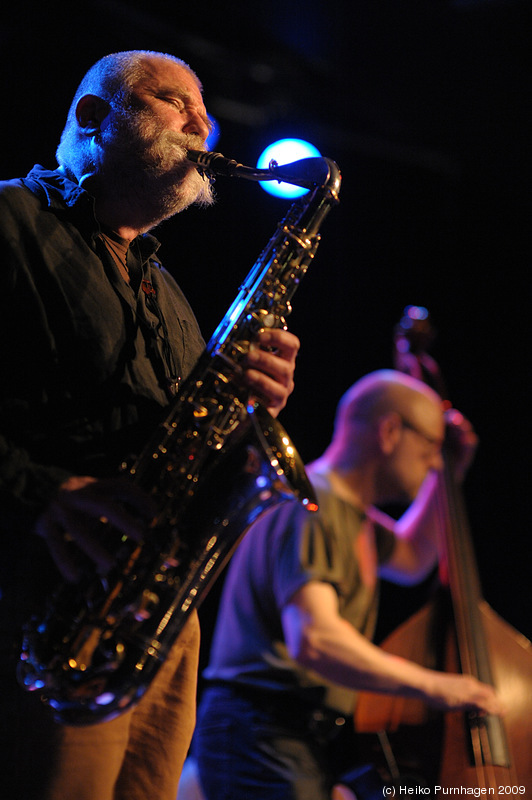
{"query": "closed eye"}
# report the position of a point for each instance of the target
(181, 106)
(175, 101)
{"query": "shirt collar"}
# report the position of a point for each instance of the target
(61, 194)
(56, 188)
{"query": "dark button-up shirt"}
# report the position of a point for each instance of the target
(87, 361)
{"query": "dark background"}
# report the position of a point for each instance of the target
(425, 105)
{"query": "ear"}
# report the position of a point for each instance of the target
(91, 111)
(389, 431)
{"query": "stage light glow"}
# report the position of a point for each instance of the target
(416, 312)
(285, 151)
(214, 135)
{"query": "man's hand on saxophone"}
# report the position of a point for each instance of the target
(270, 366)
(70, 526)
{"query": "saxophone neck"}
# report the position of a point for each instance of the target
(308, 173)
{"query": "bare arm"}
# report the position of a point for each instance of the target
(419, 529)
(416, 546)
(319, 639)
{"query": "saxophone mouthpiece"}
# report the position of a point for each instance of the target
(214, 163)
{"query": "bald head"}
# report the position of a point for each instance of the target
(383, 392)
(113, 79)
(388, 433)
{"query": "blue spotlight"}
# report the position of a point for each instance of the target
(284, 151)
(214, 135)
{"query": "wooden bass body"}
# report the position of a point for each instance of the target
(438, 746)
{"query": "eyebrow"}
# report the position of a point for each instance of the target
(432, 440)
(186, 96)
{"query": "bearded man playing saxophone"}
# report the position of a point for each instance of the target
(95, 337)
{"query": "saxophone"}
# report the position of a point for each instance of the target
(213, 466)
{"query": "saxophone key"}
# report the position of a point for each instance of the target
(148, 602)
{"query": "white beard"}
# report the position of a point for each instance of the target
(145, 167)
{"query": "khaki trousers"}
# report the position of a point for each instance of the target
(136, 756)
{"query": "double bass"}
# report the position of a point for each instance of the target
(436, 753)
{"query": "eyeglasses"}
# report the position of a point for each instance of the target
(431, 440)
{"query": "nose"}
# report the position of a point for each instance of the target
(437, 461)
(196, 124)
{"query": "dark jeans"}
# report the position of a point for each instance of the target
(262, 748)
